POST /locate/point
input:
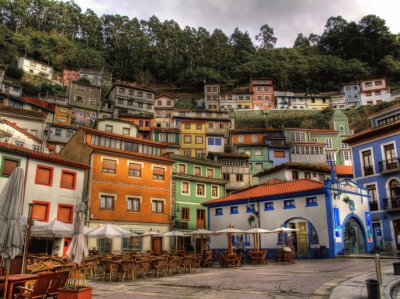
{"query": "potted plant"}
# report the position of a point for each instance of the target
(346, 199)
(76, 287)
(251, 219)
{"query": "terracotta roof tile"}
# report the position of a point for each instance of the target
(372, 132)
(384, 110)
(42, 156)
(270, 190)
(40, 103)
(23, 112)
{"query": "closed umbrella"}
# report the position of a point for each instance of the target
(230, 231)
(11, 236)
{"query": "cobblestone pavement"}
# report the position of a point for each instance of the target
(305, 279)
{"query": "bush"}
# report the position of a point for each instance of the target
(30, 89)
(14, 72)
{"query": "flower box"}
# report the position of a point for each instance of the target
(78, 293)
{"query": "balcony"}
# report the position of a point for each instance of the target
(373, 206)
(368, 170)
(391, 203)
(389, 166)
(346, 132)
(276, 143)
(181, 224)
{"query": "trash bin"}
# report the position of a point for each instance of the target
(373, 289)
(322, 252)
(396, 268)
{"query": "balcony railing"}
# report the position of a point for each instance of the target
(391, 203)
(388, 166)
(373, 205)
(346, 132)
(181, 224)
(368, 170)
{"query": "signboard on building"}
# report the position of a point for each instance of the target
(83, 117)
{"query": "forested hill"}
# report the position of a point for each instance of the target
(151, 51)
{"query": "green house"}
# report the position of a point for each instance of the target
(194, 181)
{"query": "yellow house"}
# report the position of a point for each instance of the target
(62, 115)
(317, 102)
(244, 101)
(193, 138)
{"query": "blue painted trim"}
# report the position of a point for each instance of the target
(233, 213)
(329, 219)
(289, 207)
(313, 204)
(217, 213)
(269, 209)
(361, 223)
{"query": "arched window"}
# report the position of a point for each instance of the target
(394, 187)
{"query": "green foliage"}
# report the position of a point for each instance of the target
(14, 72)
(30, 89)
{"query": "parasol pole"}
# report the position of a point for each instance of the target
(229, 243)
(283, 240)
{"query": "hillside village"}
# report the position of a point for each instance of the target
(139, 161)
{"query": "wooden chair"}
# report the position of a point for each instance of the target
(207, 259)
(160, 265)
(288, 253)
(40, 288)
(196, 262)
(253, 257)
(175, 264)
(111, 269)
(126, 270)
(238, 259)
(58, 280)
(187, 264)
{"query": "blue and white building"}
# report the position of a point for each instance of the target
(376, 166)
(331, 216)
(352, 94)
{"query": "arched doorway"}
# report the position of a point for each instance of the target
(394, 190)
(305, 236)
(354, 240)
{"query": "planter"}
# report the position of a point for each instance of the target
(79, 293)
(396, 268)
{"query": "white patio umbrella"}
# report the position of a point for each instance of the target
(230, 231)
(86, 229)
(256, 235)
(109, 231)
(151, 234)
(174, 234)
(11, 236)
(53, 228)
(201, 232)
(281, 230)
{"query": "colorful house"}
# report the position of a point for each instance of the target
(331, 218)
(53, 184)
(129, 185)
(317, 101)
(374, 91)
(62, 115)
(377, 167)
(351, 92)
(145, 123)
(170, 136)
(262, 94)
(193, 138)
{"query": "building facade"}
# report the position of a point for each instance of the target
(374, 91)
(262, 91)
(36, 68)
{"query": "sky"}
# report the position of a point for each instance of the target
(288, 18)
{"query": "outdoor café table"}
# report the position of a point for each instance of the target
(16, 279)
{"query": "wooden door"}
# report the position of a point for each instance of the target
(396, 226)
(156, 245)
(201, 219)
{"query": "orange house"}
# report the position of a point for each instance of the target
(145, 124)
(262, 94)
(129, 186)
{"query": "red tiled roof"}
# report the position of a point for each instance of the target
(23, 112)
(322, 131)
(372, 132)
(40, 103)
(42, 156)
(344, 169)
(27, 133)
(254, 130)
(384, 110)
(123, 137)
(270, 190)
(134, 154)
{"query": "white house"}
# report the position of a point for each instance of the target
(36, 68)
(54, 185)
(374, 91)
(117, 126)
(331, 218)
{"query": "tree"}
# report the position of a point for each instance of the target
(301, 41)
(266, 37)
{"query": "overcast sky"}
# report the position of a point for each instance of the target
(286, 17)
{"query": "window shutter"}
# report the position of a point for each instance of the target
(9, 166)
(39, 212)
(68, 180)
(159, 170)
(44, 176)
(64, 214)
(109, 164)
(135, 166)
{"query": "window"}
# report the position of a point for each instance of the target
(390, 157)
(181, 168)
(65, 213)
(133, 204)
(157, 206)
(147, 123)
(307, 175)
(295, 175)
(109, 166)
(197, 170)
(68, 179)
(289, 204)
(378, 83)
(186, 153)
(198, 126)
(279, 154)
(126, 131)
(328, 142)
(121, 90)
(187, 138)
(8, 165)
(373, 202)
(200, 189)
(70, 133)
(367, 162)
(211, 125)
(253, 138)
(199, 154)
(109, 128)
(58, 132)
(187, 126)
(214, 191)
(235, 210)
(311, 202)
(268, 206)
(107, 202)
(185, 214)
(210, 173)
(62, 119)
(135, 170)
(227, 177)
(199, 139)
(80, 99)
(239, 177)
(218, 212)
(218, 141)
(251, 208)
(241, 138)
(148, 95)
(140, 94)
(211, 141)
(377, 93)
(158, 173)
(259, 166)
(40, 210)
(185, 188)
(92, 101)
(258, 152)
(44, 175)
